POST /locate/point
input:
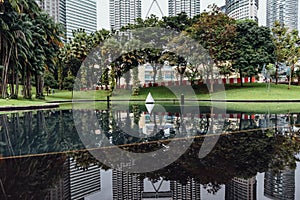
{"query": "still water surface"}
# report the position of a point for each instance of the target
(44, 157)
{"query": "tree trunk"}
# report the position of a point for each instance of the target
(5, 71)
(39, 86)
(181, 79)
(290, 77)
(27, 84)
(154, 75)
(17, 85)
(241, 77)
(60, 77)
(276, 73)
(37, 89)
(211, 80)
(12, 84)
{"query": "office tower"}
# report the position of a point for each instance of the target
(51, 7)
(80, 14)
(79, 183)
(72, 14)
(76, 183)
(190, 7)
(241, 189)
(284, 11)
(126, 186)
(242, 9)
(124, 12)
(280, 185)
(191, 190)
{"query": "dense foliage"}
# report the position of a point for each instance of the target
(32, 53)
(29, 43)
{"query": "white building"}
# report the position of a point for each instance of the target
(284, 11)
(190, 7)
(72, 14)
(80, 14)
(242, 9)
(124, 12)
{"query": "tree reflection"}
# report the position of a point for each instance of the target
(31, 177)
(242, 155)
(38, 132)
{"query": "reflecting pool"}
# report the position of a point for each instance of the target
(49, 155)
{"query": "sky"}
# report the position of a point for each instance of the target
(103, 10)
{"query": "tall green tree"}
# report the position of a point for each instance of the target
(74, 53)
(293, 53)
(215, 31)
(28, 44)
(287, 47)
(253, 48)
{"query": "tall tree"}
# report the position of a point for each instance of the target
(287, 47)
(253, 48)
(28, 44)
(293, 53)
(74, 52)
(279, 32)
(215, 31)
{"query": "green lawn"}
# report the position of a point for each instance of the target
(250, 91)
(259, 91)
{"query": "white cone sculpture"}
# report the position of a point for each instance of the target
(149, 103)
(149, 99)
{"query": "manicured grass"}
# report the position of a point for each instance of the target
(250, 91)
(263, 108)
(260, 91)
(20, 102)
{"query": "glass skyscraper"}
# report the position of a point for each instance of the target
(280, 185)
(241, 189)
(124, 12)
(284, 11)
(72, 14)
(242, 9)
(190, 7)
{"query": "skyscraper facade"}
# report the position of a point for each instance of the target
(80, 14)
(72, 14)
(124, 12)
(82, 182)
(242, 9)
(280, 185)
(190, 7)
(76, 183)
(190, 190)
(241, 189)
(284, 11)
(51, 7)
(126, 186)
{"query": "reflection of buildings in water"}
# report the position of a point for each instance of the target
(151, 124)
(58, 191)
(191, 123)
(280, 186)
(126, 186)
(159, 190)
(76, 183)
(241, 189)
(191, 190)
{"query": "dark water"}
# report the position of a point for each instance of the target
(44, 156)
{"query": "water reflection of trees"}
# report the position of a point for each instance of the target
(240, 155)
(37, 132)
(30, 177)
